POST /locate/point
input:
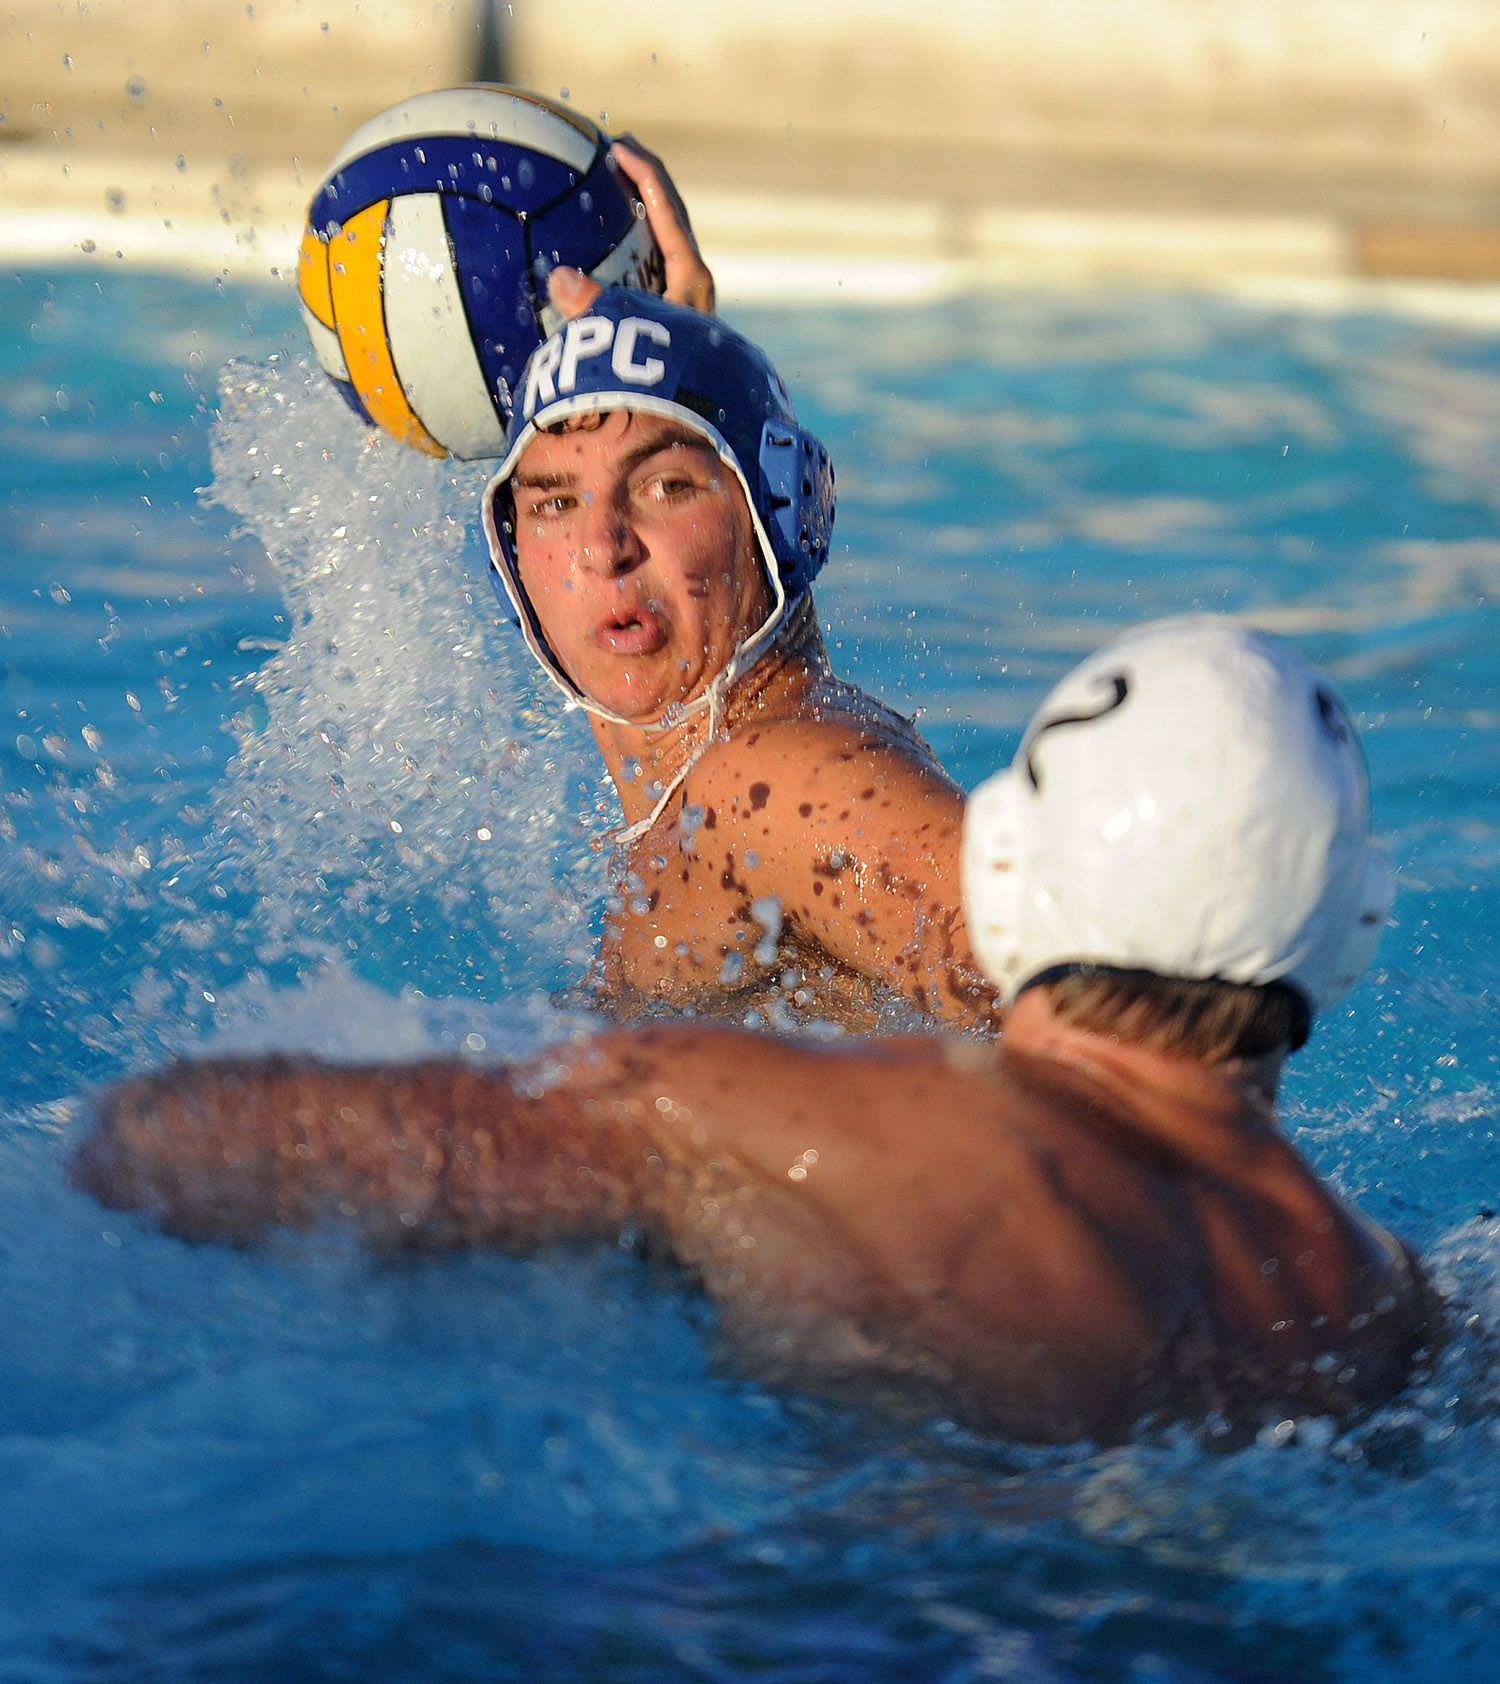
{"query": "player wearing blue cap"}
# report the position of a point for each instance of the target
(1094, 1222)
(655, 526)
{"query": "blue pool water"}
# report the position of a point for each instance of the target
(256, 712)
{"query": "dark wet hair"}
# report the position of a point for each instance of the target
(1205, 1019)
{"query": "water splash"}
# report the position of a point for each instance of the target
(400, 801)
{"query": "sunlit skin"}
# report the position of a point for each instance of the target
(637, 553)
(689, 280)
(808, 866)
(1053, 1240)
(816, 818)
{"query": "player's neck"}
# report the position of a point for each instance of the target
(642, 763)
(643, 760)
(1238, 1093)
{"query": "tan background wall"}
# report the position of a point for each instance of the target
(1312, 136)
(1389, 92)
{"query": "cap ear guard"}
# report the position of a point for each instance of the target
(641, 354)
(798, 479)
(1377, 889)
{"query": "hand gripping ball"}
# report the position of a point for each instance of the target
(423, 267)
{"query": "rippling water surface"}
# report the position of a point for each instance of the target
(273, 774)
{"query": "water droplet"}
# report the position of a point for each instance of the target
(114, 197)
(44, 953)
(136, 87)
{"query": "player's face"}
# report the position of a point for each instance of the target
(635, 547)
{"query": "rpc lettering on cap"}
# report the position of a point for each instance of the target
(589, 336)
(634, 351)
(568, 360)
(649, 370)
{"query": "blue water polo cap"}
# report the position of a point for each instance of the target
(635, 351)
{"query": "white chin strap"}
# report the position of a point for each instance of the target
(747, 652)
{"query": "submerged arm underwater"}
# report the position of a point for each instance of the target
(1047, 1256)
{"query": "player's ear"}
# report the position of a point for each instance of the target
(570, 291)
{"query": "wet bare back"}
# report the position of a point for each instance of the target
(1050, 1247)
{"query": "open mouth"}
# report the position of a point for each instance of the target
(632, 629)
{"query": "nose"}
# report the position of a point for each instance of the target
(608, 542)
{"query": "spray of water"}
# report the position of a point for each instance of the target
(403, 801)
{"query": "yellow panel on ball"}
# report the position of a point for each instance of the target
(312, 277)
(354, 276)
(484, 190)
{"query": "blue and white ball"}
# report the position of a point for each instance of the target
(423, 268)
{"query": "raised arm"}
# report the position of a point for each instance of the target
(689, 279)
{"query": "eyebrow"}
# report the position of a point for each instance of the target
(538, 482)
(672, 436)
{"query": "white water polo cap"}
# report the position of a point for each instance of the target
(637, 352)
(1192, 801)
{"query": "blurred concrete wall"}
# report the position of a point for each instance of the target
(1321, 134)
(247, 76)
(124, 123)
(1390, 92)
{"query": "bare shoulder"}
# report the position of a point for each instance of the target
(815, 848)
(834, 771)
